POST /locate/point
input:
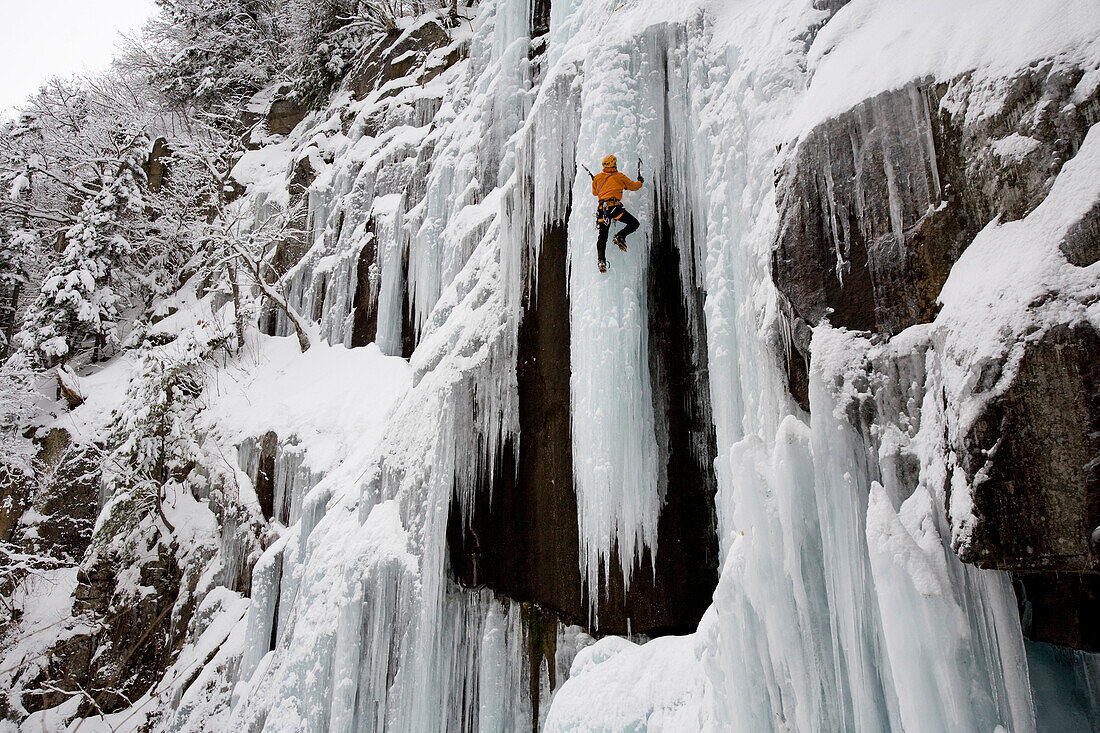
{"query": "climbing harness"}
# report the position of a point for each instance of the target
(607, 210)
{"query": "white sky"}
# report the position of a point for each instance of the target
(44, 38)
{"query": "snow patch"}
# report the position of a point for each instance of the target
(873, 46)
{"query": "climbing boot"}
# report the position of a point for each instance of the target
(603, 265)
(620, 241)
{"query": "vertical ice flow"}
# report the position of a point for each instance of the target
(829, 563)
(806, 627)
(614, 443)
(841, 481)
(261, 612)
(371, 635)
(473, 153)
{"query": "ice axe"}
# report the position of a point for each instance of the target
(590, 173)
(640, 178)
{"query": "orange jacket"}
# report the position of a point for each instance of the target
(610, 184)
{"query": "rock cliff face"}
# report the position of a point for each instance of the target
(421, 564)
(522, 536)
(63, 501)
(115, 647)
(1032, 456)
(876, 205)
(522, 540)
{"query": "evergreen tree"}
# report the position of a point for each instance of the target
(213, 51)
(153, 429)
(78, 298)
(15, 252)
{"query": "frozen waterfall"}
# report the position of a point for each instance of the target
(841, 604)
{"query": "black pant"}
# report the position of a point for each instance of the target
(619, 213)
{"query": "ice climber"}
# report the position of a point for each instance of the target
(608, 187)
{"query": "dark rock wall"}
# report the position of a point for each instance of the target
(523, 542)
(122, 639)
(852, 208)
(1060, 608)
(156, 167)
(63, 492)
(409, 335)
(389, 58)
(687, 554)
(137, 637)
(875, 206)
(364, 323)
(264, 480)
(285, 112)
(1032, 460)
(540, 18)
(522, 539)
(1081, 245)
(67, 498)
(15, 492)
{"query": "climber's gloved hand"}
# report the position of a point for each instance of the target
(641, 178)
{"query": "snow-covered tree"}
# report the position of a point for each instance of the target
(78, 298)
(154, 428)
(205, 52)
(16, 257)
(155, 442)
(77, 211)
(18, 407)
(254, 252)
(325, 37)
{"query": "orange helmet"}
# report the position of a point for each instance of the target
(610, 162)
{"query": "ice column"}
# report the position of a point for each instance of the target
(614, 444)
(470, 156)
(261, 611)
(841, 483)
(391, 295)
